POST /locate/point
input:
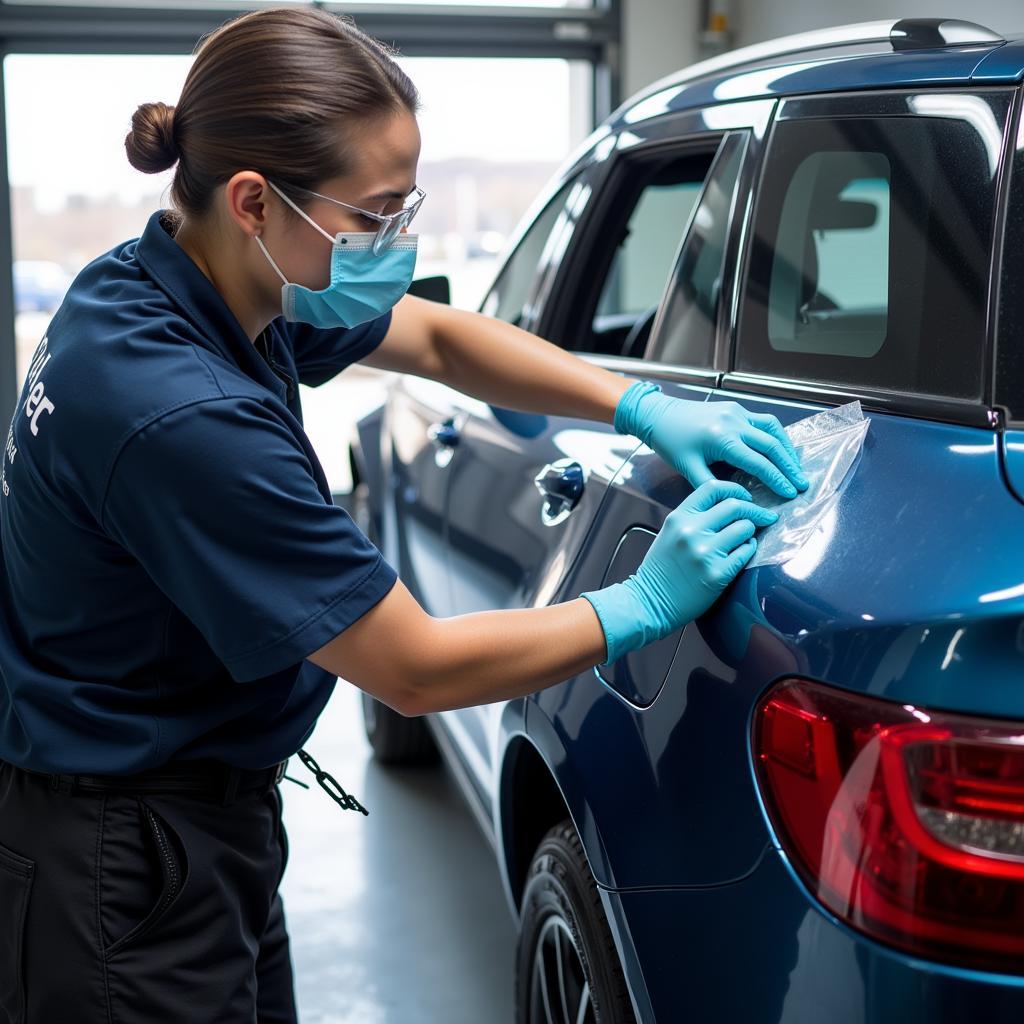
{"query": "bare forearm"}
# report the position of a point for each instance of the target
(487, 656)
(509, 367)
(415, 662)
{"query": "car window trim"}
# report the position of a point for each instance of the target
(649, 368)
(1005, 377)
(965, 412)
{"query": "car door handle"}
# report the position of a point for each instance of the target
(561, 485)
(444, 435)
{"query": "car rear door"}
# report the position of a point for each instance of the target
(518, 480)
(525, 488)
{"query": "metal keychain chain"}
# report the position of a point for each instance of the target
(346, 800)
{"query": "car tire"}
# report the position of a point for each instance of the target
(394, 738)
(562, 923)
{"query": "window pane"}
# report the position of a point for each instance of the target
(829, 290)
(493, 131)
(871, 247)
(687, 334)
(853, 255)
(637, 247)
(73, 193)
(640, 265)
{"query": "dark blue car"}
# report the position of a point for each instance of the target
(808, 805)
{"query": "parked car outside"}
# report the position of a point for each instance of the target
(39, 285)
(808, 804)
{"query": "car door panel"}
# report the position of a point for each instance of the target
(520, 556)
(418, 412)
(507, 545)
(662, 765)
(502, 552)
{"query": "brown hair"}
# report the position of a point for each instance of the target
(275, 91)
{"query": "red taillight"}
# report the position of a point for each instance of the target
(907, 824)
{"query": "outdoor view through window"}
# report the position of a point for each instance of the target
(493, 130)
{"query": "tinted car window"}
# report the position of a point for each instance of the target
(685, 333)
(828, 292)
(508, 296)
(870, 252)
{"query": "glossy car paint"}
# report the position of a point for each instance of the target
(912, 592)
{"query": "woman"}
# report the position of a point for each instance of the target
(181, 593)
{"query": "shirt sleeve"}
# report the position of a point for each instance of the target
(323, 352)
(219, 504)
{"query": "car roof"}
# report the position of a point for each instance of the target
(866, 55)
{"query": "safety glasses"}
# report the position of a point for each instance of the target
(389, 224)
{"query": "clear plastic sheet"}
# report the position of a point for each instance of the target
(828, 444)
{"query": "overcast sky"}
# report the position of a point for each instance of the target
(67, 116)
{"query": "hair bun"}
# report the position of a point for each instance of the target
(151, 145)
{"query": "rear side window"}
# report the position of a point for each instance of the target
(828, 291)
(869, 259)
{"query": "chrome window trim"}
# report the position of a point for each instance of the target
(650, 368)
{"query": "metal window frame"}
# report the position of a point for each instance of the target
(591, 34)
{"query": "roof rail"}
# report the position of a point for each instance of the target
(904, 34)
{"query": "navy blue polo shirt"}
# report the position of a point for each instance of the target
(171, 551)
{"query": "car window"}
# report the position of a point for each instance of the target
(508, 297)
(829, 287)
(870, 251)
(645, 212)
(640, 264)
(685, 332)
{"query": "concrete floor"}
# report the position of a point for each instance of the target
(397, 917)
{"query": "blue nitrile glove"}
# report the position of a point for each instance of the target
(690, 435)
(701, 548)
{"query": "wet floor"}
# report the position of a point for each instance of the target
(397, 917)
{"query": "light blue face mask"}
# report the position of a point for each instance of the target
(363, 285)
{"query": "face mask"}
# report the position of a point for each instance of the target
(363, 285)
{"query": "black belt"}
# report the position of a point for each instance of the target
(206, 776)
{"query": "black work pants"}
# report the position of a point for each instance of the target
(118, 908)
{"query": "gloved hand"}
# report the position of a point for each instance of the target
(701, 548)
(690, 435)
